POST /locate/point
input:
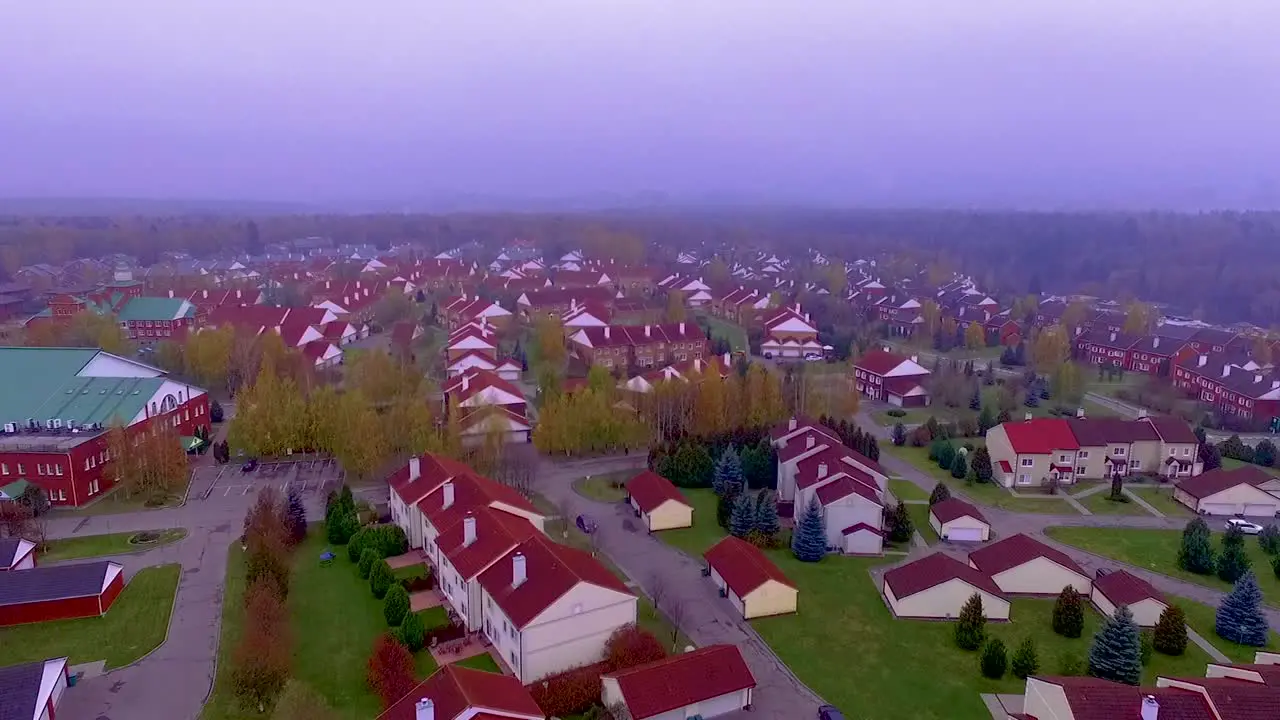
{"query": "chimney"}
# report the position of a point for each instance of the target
(468, 530)
(326, 284)
(237, 294)
(682, 328)
(822, 470)
(1142, 413)
(915, 358)
(415, 467)
(1080, 413)
(447, 500)
(646, 331)
(1226, 370)
(1150, 708)
(424, 710)
(791, 424)
(606, 332)
(1275, 384)
(809, 442)
(519, 571)
(1203, 359)
(204, 293)
(1257, 378)
(1113, 337)
(1155, 342)
(1027, 417)
(170, 293)
(466, 383)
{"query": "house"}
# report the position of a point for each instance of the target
(1021, 565)
(59, 592)
(658, 502)
(801, 438)
(1089, 698)
(548, 608)
(1248, 490)
(848, 496)
(473, 338)
(789, 333)
(32, 691)
(1116, 588)
(461, 310)
(957, 521)
(481, 423)
(558, 301)
(17, 554)
(755, 586)
(708, 682)
(457, 693)
(645, 346)
(1236, 387)
(1100, 347)
(153, 319)
(937, 586)
(476, 388)
(892, 378)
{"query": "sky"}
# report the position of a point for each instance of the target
(991, 103)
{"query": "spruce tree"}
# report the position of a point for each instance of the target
(743, 518)
(982, 464)
(1233, 562)
(899, 435)
(873, 448)
(959, 468)
(975, 400)
(1116, 653)
(809, 542)
(1026, 661)
(971, 626)
(1170, 636)
(1196, 553)
(1210, 456)
(940, 492)
(986, 421)
(1068, 613)
(1240, 617)
(728, 477)
(901, 528)
(296, 517)
(946, 455)
(995, 659)
(1269, 539)
(767, 523)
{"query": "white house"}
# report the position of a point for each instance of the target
(1247, 490)
(957, 521)
(707, 682)
(17, 554)
(1021, 565)
(1116, 588)
(937, 586)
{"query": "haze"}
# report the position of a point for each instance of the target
(1130, 103)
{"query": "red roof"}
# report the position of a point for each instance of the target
(1041, 436)
(433, 470)
(932, 571)
(455, 690)
(469, 491)
(844, 486)
(743, 566)
(879, 362)
(798, 446)
(551, 570)
(475, 380)
(497, 532)
(1004, 465)
(682, 680)
(649, 490)
(859, 527)
(1017, 550)
(1122, 588)
(1096, 699)
(954, 508)
(1215, 481)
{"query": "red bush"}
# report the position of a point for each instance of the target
(260, 662)
(390, 671)
(571, 692)
(629, 646)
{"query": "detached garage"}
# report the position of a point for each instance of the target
(1230, 492)
(1116, 588)
(59, 593)
(706, 683)
(1021, 565)
(937, 586)
(17, 554)
(755, 586)
(957, 521)
(658, 502)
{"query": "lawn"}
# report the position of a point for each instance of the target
(483, 661)
(843, 616)
(1157, 550)
(1201, 618)
(982, 493)
(109, 544)
(1162, 500)
(1100, 503)
(606, 488)
(735, 334)
(907, 490)
(920, 518)
(1233, 464)
(990, 395)
(222, 704)
(1109, 387)
(705, 531)
(135, 625)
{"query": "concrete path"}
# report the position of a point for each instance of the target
(1076, 504)
(1134, 497)
(1205, 645)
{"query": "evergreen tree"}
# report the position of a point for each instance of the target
(724, 509)
(982, 464)
(1116, 653)
(1233, 562)
(1026, 661)
(1068, 613)
(1146, 647)
(1196, 553)
(809, 542)
(946, 455)
(742, 520)
(971, 626)
(975, 400)
(1170, 636)
(1264, 453)
(995, 659)
(986, 421)
(935, 432)
(899, 435)
(767, 522)
(728, 475)
(873, 448)
(1003, 417)
(1240, 617)
(959, 467)
(1269, 539)
(296, 517)
(1210, 456)
(900, 526)
(940, 492)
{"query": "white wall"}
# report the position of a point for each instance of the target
(573, 630)
(850, 511)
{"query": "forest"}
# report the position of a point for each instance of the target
(1222, 266)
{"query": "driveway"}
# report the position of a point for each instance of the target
(708, 619)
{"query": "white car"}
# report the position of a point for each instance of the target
(1244, 526)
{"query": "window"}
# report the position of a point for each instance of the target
(1024, 479)
(1083, 455)
(1080, 470)
(1027, 462)
(1119, 450)
(1134, 465)
(1186, 452)
(86, 464)
(1062, 458)
(21, 471)
(512, 654)
(57, 469)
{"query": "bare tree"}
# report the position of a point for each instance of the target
(677, 613)
(15, 519)
(657, 589)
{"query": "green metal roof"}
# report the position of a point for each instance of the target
(101, 400)
(14, 490)
(42, 383)
(154, 308)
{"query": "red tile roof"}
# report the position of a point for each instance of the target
(934, 570)
(858, 527)
(1121, 588)
(1173, 430)
(954, 508)
(842, 487)
(802, 422)
(681, 680)
(497, 532)
(470, 491)
(799, 445)
(551, 570)
(743, 566)
(1017, 550)
(1215, 481)
(1041, 436)
(456, 690)
(879, 362)
(649, 490)
(1095, 699)
(1004, 465)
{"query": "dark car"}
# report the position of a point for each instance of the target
(829, 712)
(250, 465)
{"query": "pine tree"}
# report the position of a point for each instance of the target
(1068, 613)
(975, 401)
(767, 523)
(296, 517)
(809, 542)
(900, 526)
(1196, 553)
(899, 435)
(743, 518)
(1233, 562)
(959, 468)
(982, 464)
(1026, 661)
(1240, 617)
(940, 492)
(995, 659)
(1269, 539)
(728, 477)
(1170, 636)
(1116, 653)
(946, 455)
(986, 421)
(971, 626)
(1210, 456)
(873, 448)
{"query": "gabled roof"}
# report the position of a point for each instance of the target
(1094, 432)
(681, 680)
(650, 490)
(551, 571)
(934, 570)
(844, 486)
(13, 549)
(954, 509)
(56, 582)
(1095, 699)
(25, 689)
(496, 533)
(1040, 436)
(1018, 550)
(455, 690)
(887, 364)
(1123, 588)
(1215, 481)
(743, 566)
(470, 491)
(475, 381)
(1173, 430)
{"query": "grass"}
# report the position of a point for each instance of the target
(906, 490)
(648, 617)
(920, 518)
(222, 704)
(483, 661)
(1232, 464)
(1100, 503)
(1157, 551)
(1162, 500)
(135, 625)
(1202, 618)
(705, 531)
(735, 334)
(988, 494)
(1111, 386)
(990, 397)
(109, 544)
(843, 615)
(606, 488)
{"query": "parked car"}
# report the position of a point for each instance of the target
(1244, 526)
(829, 712)
(250, 465)
(812, 357)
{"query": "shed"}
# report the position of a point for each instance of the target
(658, 502)
(937, 586)
(32, 690)
(862, 539)
(1118, 587)
(958, 521)
(755, 586)
(59, 592)
(17, 554)
(707, 682)
(1023, 565)
(1229, 492)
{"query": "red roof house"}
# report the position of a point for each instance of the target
(59, 592)
(658, 502)
(1118, 587)
(709, 681)
(892, 378)
(755, 586)
(936, 586)
(1022, 565)
(454, 692)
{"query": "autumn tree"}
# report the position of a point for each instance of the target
(675, 312)
(260, 661)
(1049, 349)
(390, 670)
(147, 461)
(208, 354)
(932, 316)
(361, 446)
(1073, 316)
(974, 337)
(548, 338)
(1139, 318)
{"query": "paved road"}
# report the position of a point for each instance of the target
(708, 618)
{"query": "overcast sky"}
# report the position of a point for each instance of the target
(990, 102)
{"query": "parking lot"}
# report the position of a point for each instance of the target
(229, 483)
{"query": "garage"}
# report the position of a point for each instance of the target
(957, 521)
(965, 534)
(1260, 510)
(1217, 509)
(1229, 492)
(59, 592)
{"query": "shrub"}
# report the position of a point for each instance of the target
(368, 557)
(395, 606)
(355, 545)
(1145, 647)
(1026, 661)
(959, 468)
(570, 693)
(1170, 637)
(340, 525)
(381, 579)
(630, 646)
(1269, 539)
(390, 670)
(971, 628)
(896, 412)
(995, 659)
(1070, 664)
(1068, 613)
(216, 412)
(388, 540)
(412, 633)
(919, 437)
(940, 492)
